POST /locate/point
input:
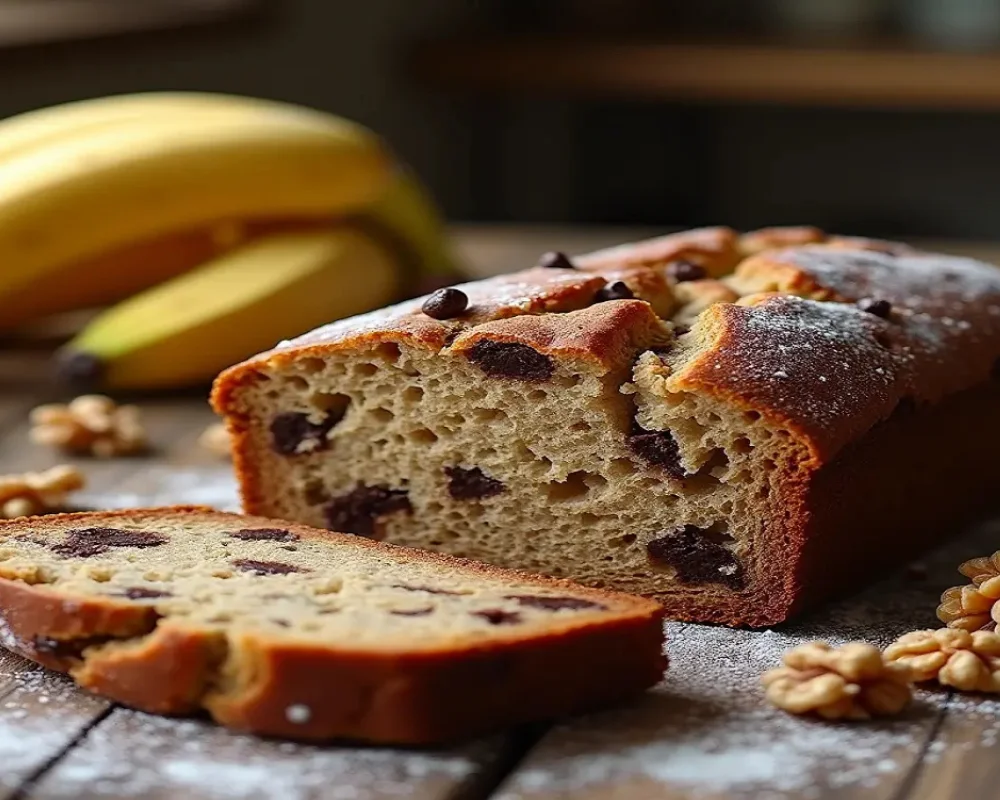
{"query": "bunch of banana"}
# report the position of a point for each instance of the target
(229, 223)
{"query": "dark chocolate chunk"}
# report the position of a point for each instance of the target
(471, 484)
(697, 557)
(264, 535)
(614, 291)
(880, 308)
(446, 303)
(511, 360)
(497, 616)
(556, 260)
(266, 567)
(658, 448)
(420, 612)
(86, 542)
(359, 511)
(139, 593)
(682, 271)
(550, 603)
(289, 431)
(428, 589)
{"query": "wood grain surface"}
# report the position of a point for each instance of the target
(705, 732)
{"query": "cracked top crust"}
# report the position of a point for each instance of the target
(795, 346)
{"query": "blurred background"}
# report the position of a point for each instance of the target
(876, 117)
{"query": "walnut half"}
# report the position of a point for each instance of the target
(90, 425)
(850, 682)
(37, 492)
(953, 657)
(974, 606)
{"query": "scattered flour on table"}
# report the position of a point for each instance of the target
(197, 759)
(40, 714)
(210, 486)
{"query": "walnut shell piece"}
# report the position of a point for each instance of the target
(850, 682)
(968, 661)
(974, 606)
(90, 425)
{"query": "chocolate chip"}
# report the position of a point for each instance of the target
(358, 511)
(264, 535)
(446, 303)
(265, 567)
(658, 448)
(697, 557)
(428, 589)
(65, 648)
(614, 291)
(471, 484)
(550, 603)
(496, 616)
(420, 612)
(86, 542)
(880, 308)
(511, 360)
(682, 271)
(291, 430)
(556, 260)
(281, 623)
(139, 593)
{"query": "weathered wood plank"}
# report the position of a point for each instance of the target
(41, 714)
(136, 755)
(962, 761)
(707, 733)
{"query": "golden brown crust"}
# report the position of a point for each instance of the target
(319, 690)
(438, 697)
(715, 249)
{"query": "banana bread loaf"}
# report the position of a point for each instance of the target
(284, 630)
(737, 426)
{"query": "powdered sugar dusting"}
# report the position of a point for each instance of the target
(196, 759)
(706, 730)
(799, 356)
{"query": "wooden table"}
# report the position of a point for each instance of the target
(703, 733)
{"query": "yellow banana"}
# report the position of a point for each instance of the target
(121, 273)
(185, 331)
(407, 215)
(33, 130)
(107, 187)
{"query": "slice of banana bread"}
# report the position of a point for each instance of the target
(735, 425)
(285, 630)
